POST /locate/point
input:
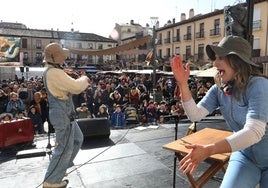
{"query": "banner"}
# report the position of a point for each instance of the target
(116, 50)
(9, 51)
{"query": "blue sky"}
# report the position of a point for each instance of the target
(100, 16)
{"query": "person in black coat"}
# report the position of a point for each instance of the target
(3, 101)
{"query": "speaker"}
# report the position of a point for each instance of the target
(21, 69)
(95, 127)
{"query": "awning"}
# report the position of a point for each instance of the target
(116, 50)
(207, 73)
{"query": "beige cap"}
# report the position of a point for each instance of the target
(55, 54)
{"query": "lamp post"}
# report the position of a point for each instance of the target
(250, 12)
(154, 21)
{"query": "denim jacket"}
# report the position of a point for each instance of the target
(252, 104)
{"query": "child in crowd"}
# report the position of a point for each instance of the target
(103, 112)
(118, 117)
(20, 115)
(6, 117)
(36, 120)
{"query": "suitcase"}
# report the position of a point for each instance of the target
(95, 127)
(16, 132)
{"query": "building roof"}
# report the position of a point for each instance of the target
(20, 30)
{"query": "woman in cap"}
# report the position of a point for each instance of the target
(60, 87)
(240, 93)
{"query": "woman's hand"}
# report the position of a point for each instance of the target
(191, 161)
(180, 72)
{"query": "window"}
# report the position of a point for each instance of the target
(24, 43)
(217, 26)
(201, 51)
(90, 45)
(201, 30)
(25, 56)
(189, 28)
(160, 53)
(79, 45)
(256, 43)
(167, 54)
(177, 50)
(160, 38)
(177, 37)
(256, 19)
(38, 57)
(38, 44)
(100, 46)
(188, 52)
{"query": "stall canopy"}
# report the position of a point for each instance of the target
(211, 72)
(128, 48)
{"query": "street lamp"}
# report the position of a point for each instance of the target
(154, 41)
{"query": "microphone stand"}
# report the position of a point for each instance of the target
(176, 118)
(49, 146)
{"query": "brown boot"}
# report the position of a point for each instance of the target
(63, 184)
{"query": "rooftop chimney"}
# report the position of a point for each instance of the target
(183, 16)
(191, 13)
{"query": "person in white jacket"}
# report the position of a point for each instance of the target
(60, 87)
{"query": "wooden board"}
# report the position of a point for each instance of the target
(204, 136)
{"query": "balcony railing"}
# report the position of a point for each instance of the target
(256, 25)
(187, 37)
(215, 32)
(167, 40)
(176, 39)
(200, 35)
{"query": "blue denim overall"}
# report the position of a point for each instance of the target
(69, 137)
(249, 166)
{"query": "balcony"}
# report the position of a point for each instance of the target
(176, 39)
(167, 40)
(215, 32)
(256, 25)
(200, 35)
(187, 37)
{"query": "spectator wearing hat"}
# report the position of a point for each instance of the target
(103, 112)
(60, 87)
(6, 117)
(118, 117)
(83, 111)
(115, 98)
(3, 101)
(15, 104)
(151, 113)
(134, 97)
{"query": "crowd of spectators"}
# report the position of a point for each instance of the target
(108, 95)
